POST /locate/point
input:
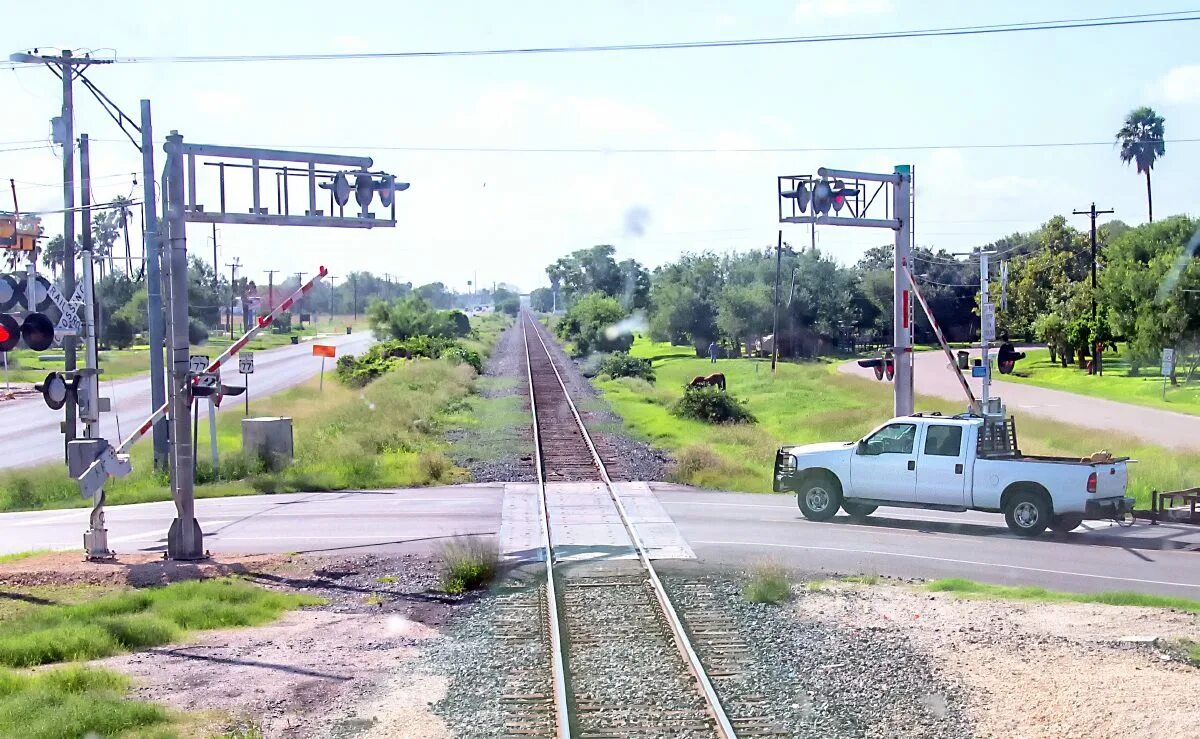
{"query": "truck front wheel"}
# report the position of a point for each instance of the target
(819, 497)
(1027, 513)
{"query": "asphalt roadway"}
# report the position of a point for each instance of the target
(29, 432)
(723, 529)
(1180, 431)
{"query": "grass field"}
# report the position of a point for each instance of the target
(1115, 384)
(27, 366)
(810, 402)
(972, 589)
(69, 623)
(388, 434)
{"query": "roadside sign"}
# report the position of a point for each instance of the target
(197, 363)
(1168, 362)
(246, 363)
(208, 380)
(324, 350)
(989, 321)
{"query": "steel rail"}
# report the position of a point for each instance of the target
(724, 726)
(561, 709)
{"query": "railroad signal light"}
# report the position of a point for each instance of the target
(801, 195)
(822, 197)
(364, 189)
(884, 366)
(10, 333)
(1007, 358)
(340, 187)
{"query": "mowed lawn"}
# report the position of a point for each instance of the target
(810, 402)
(1115, 384)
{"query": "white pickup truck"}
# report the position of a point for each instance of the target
(940, 462)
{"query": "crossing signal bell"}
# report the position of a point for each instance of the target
(1007, 357)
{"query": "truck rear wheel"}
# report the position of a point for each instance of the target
(1066, 522)
(819, 497)
(858, 510)
(1027, 513)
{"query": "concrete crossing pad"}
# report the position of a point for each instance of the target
(585, 525)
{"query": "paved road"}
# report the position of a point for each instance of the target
(721, 528)
(29, 431)
(1163, 428)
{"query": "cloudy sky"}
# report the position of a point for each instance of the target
(505, 215)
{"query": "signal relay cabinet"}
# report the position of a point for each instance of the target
(269, 438)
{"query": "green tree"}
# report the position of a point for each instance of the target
(587, 271)
(54, 254)
(592, 324)
(541, 300)
(683, 300)
(744, 313)
(506, 301)
(1151, 286)
(1142, 141)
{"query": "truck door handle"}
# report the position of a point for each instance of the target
(912, 464)
(958, 469)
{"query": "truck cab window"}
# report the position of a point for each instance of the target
(943, 441)
(896, 438)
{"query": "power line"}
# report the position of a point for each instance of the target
(1062, 24)
(686, 150)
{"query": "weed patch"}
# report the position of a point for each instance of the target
(75, 701)
(768, 583)
(467, 564)
(971, 589)
(137, 619)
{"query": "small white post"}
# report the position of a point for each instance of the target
(321, 386)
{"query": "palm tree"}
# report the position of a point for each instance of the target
(1142, 141)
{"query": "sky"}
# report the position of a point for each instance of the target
(503, 216)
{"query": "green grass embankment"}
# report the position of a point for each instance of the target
(811, 402)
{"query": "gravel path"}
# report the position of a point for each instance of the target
(818, 677)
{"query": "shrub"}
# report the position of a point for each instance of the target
(588, 325)
(360, 370)
(197, 332)
(768, 583)
(694, 460)
(467, 564)
(711, 405)
(118, 332)
(462, 355)
(621, 364)
(433, 465)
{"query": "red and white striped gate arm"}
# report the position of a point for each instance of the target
(234, 348)
(937, 330)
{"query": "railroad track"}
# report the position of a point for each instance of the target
(622, 663)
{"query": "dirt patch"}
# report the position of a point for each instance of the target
(328, 671)
(1040, 669)
(138, 570)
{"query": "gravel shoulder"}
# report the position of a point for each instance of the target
(1032, 669)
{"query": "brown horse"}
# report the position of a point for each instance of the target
(716, 379)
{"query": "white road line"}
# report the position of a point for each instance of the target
(904, 516)
(950, 560)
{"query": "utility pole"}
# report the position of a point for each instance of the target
(1097, 362)
(271, 288)
(300, 281)
(775, 310)
(233, 268)
(354, 290)
(984, 330)
(216, 266)
(331, 278)
(154, 302)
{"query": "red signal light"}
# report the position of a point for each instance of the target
(10, 333)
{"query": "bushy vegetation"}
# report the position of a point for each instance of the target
(711, 405)
(467, 564)
(412, 316)
(620, 364)
(359, 370)
(973, 589)
(591, 325)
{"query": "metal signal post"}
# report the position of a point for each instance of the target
(810, 200)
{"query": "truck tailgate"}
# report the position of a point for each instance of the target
(1111, 479)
